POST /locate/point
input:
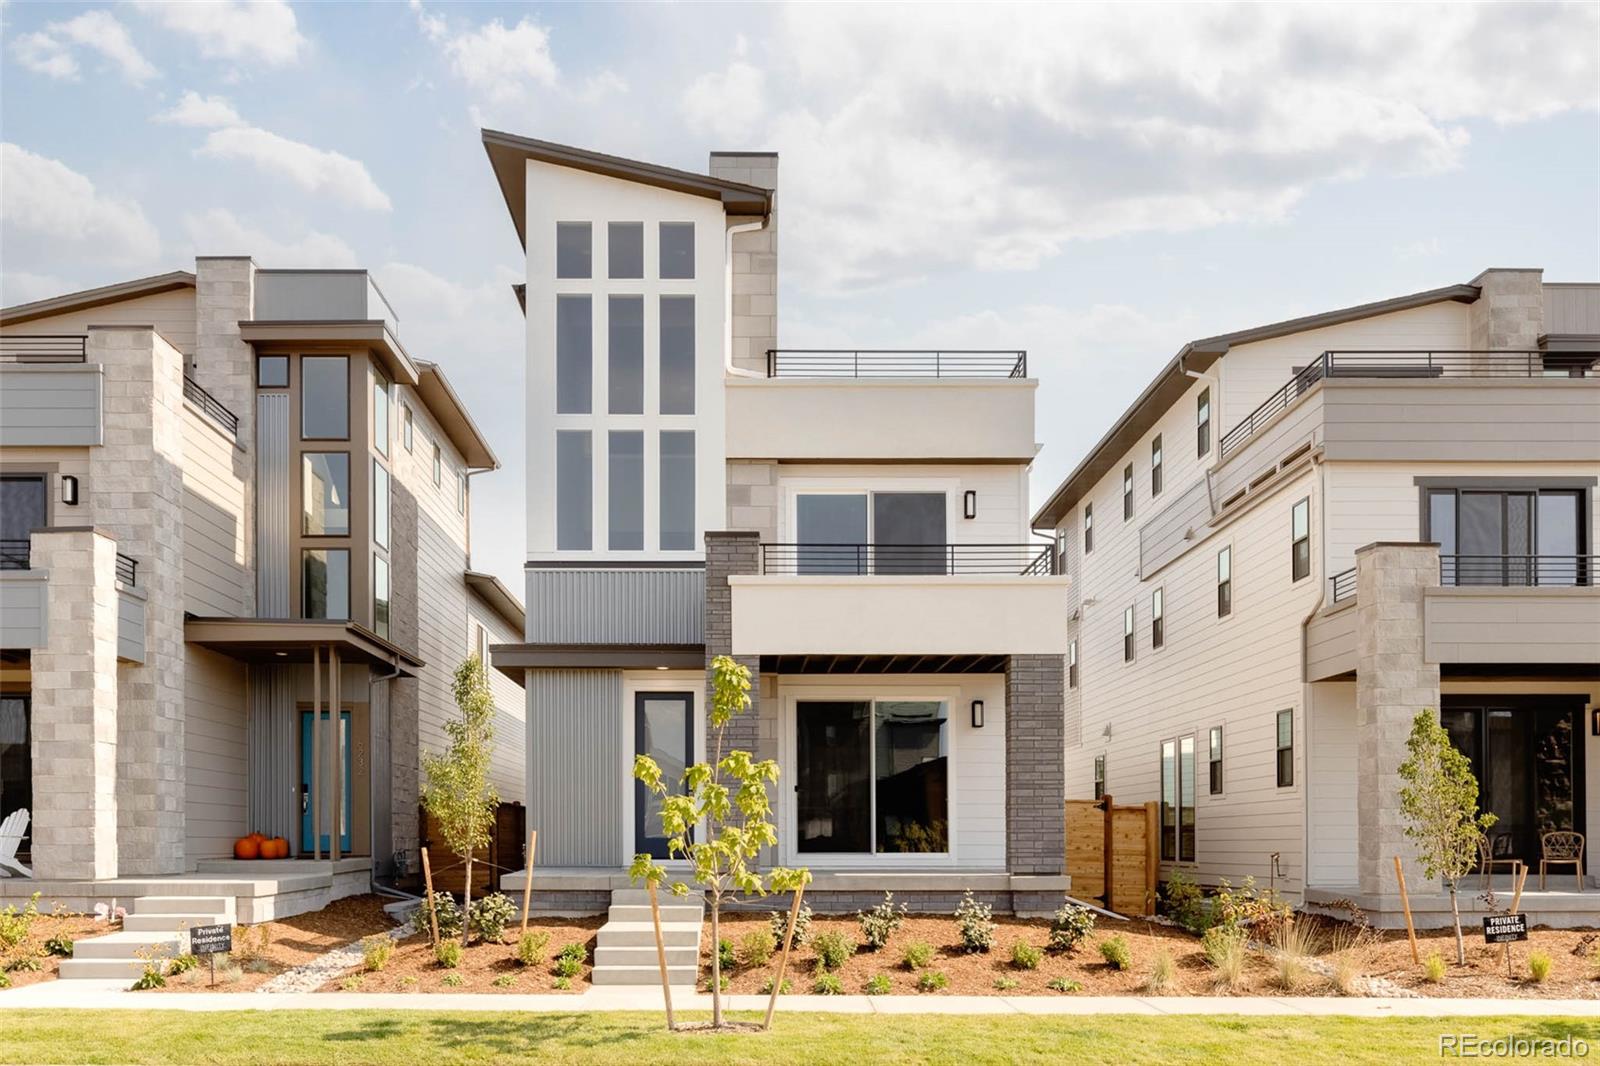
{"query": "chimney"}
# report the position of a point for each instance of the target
(755, 262)
(1509, 314)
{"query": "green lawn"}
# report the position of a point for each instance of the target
(440, 1038)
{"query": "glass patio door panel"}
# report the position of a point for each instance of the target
(908, 532)
(23, 509)
(307, 747)
(912, 779)
(1559, 525)
(832, 533)
(663, 729)
(16, 763)
(833, 779)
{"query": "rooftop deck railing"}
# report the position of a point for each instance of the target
(1518, 571)
(1344, 585)
(208, 404)
(935, 559)
(894, 363)
(1411, 365)
(127, 570)
(44, 348)
(16, 554)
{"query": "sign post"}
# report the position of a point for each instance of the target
(1505, 929)
(209, 940)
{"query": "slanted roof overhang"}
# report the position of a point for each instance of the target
(512, 659)
(1198, 356)
(493, 592)
(509, 155)
(291, 640)
(452, 416)
(105, 294)
(374, 334)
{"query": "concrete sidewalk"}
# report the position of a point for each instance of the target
(107, 995)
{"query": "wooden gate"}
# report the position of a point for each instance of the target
(1111, 845)
(507, 842)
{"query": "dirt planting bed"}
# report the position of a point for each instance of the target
(1574, 964)
(484, 967)
(263, 951)
(30, 950)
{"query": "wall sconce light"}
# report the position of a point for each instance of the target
(69, 489)
(1594, 721)
(969, 504)
(977, 714)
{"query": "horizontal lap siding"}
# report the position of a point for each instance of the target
(49, 406)
(170, 313)
(1464, 419)
(215, 772)
(215, 571)
(508, 764)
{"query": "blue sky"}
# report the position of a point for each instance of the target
(1094, 184)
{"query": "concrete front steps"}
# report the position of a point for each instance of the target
(625, 949)
(155, 927)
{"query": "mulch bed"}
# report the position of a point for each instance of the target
(412, 967)
(1574, 963)
(59, 923)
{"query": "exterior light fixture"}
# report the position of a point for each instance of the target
(69, 489)
(969, 504)
(977, 714)
(661, 668)
(1594, 721)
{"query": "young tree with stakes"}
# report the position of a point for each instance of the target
(728, 798)
(458, 792)
(1439, 799)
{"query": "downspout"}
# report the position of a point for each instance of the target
(372, 825)
(1305, 685)
(727, 295)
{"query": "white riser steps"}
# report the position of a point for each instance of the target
(684, 957)
(677, 976)
(93, 969)
(155, 928)
(184, 905)
(643, 934)
(625, 948)
(630, 912)
(169, 923)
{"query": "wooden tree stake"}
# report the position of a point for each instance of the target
(527, 886)
(661, 955)
(783, 960)
(1405, 904)
(1516, 901)
(433, 912)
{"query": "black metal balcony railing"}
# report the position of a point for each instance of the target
(208, 403)
(949, 559)
(1518, 571)
(127, 570)
(14, 554)
(892, 363)
(44, 348)
(1398, 364)
(1344, 585)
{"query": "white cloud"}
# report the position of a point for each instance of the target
(502, 62)
(50, 212)
(316, 170)
(49, 51)
(219, 231)
(727, 104)
(208, 112)
(433, 27)
(21, 287)
(261, 31)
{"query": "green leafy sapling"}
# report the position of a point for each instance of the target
(457, 790)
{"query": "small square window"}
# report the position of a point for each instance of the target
(272, 372)
(574, 249)
(677, 250)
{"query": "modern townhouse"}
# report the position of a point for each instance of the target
(235, 582)
(1300, 535)
(852, 526)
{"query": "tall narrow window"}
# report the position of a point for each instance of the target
(1169, 801)
(325, 583)
(461, 492)
(1127, 635)
(1099, 777)
(1300, 537)
(325, 494)
(677, 490)
(625, 358)
(1214, 760)
(574, 249)
(1202, 423)
(1158, 619)
(324, 397)
(380, 414)
(574, 490)
(380, 596)
(1072, 663)
(1127, 492)
(438, 464)
(380, 505)
(574, 355)
(1285, 749)
(480, 643)
(625, 250)
(1177, 800)
(1155, 466)
(1225, 582)
(1088, 528)
(625, 489)
(408, 428)
(1186, 798)
(677, 250)
(677, 355)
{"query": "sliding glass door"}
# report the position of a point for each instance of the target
(870, 533)
(1508, 537)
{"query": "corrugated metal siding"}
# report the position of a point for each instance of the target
(616, 606)
(273, 750)
(24, 603)
(49, 406)
(130, 628)
(273, 497)
(575, 766)
(1572, 309)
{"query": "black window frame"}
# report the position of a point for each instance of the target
(1158, 617)
(1202, 423)
(1088, 528)
(1284, 752)
(1225, 584)
(1214, 760)
(1300, 544)
(275, 360)
(1171, 833)
(1129, 633)
(1156, 458)
(1100, 776)
(1127, 492)
(1583, 571)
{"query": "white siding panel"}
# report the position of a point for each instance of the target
(215, 773)
(1331, 754)
(216, 572)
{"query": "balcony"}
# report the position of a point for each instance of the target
(1517, 571)
(49, 396)
(890, 406)
(43, 348)
(208, 405)
(883, 599)
(320, 296)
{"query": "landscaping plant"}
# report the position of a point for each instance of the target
(452, 980)
(1161, 970)
(448, 954)
(1433, 969)
(58, 946)
(1064, 984)
(932, 981)
(562, 984)
(1296, 942)
(786, 988)
(1225, 951)
(531, 947)
(15, 925)
(490, 915)
(725, 954)
(1005, 984)
(1185, 903)
(1115, 952)
(880, 923)
(457, 790)
(1439, 800)
(23, 964)
(828, 984)
(976, 922)
(832, 949)
(802, 927)
(443, 906)
(505, 980)
(1538, 966)
(570, 959)
(1071, 925)
(755, 948)
(1024, 956)
(728, 795)
(878, 985)
(917, 955)
(375, 952)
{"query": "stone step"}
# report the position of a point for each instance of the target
(643, 934)
(636, 896)
(184, 905)
(80, 969)
(685, 957)
(634, 912)
(168, 923)
(642, 975)
(128, 944)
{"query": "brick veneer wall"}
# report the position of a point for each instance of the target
(1035, 764)
(731, 552)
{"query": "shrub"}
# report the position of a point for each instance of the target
(1349, 945)
(780, 924)
(725, 959)
(532, 946)
(1433, 968)
(932, 981)
(1225, 951)
(23, 964)
(1115, 952)
(570, 959)
(1070, 927)
(722, 982)
(562, 984)
(250, 944)
(490, 915)
(878, 985)
(918, 955)
(5, 980)
(182, 964)
(1024, 956)
(1005, 984)
(976, 922)
(351, 983)
(449, 916)
(1161, 970)
(881, 922)
(15, 925)
(1064, 984)
(451, 980)
(448, 954)
(1185, 903)
(1296, 942)
(505, 980)
(375, 952)
(828, 984)
(408, 982)
(1538, 966)
(832, 950)
(59, 946)
(149, 978)
(787, 987)
(755, 948)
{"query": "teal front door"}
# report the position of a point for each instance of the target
(306, 748)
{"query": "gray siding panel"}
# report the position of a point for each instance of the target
(130, 627)
(576, 778)
(1512, 625)
(273, 498)
(1463, 420)
(1331, 644)
(272, 749)
(616, 606)
(50, 406)
(1572, 309)
(1173, 529)
(24, 608)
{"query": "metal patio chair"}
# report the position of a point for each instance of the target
(1563, 847)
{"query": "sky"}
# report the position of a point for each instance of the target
(1094, 184)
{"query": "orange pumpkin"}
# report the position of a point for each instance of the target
(276, 848)
(247, 848)
(258, 838)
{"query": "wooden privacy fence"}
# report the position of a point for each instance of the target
(504, 855)
(1115, 846)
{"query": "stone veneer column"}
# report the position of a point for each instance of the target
(1393, 682)
(1509, 314)
(405, 701)
(74, 743)
(1036, 773)
(754, 313)
(225, 366)
(731, 552)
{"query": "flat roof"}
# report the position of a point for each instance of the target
(105, 294)
(291, 640)
(513, 659)
(340, 332)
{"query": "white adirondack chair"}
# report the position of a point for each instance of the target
(11, 830)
